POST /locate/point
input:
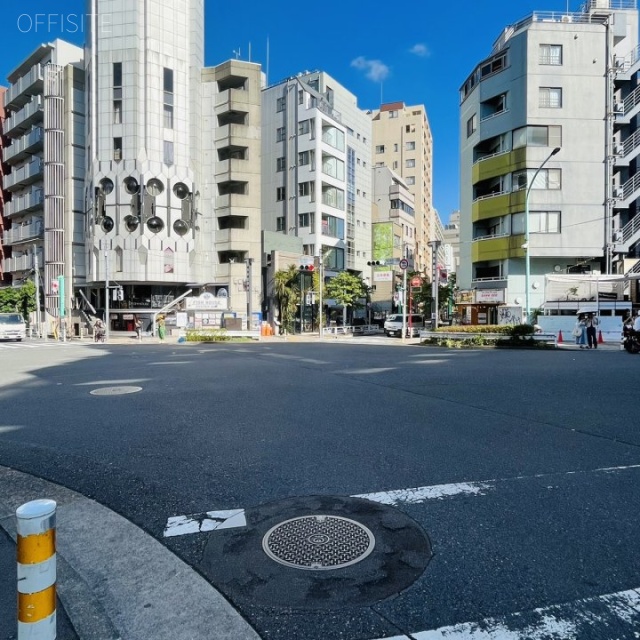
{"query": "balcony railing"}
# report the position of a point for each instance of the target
(23, 233)
(28, 81)
(32, 111)
(21, 263)
(25, 202)
(24, 145)
(22, 176)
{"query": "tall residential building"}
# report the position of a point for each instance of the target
(173, 163)
(316, 169)
(46, 162)
(403, 142)
(4, 225)
(552, 81)
(394, 233)
(451, 242)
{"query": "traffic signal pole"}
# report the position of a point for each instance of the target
(106, 294)
(404, 304)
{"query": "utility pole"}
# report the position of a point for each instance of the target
(249, 263)
(36, 268)
(435, 245)
(106, 294)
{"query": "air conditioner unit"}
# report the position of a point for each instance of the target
(618, 192)
(618, 107)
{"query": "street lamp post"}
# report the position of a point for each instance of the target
(527, 251)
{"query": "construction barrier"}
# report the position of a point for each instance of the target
(36, 558)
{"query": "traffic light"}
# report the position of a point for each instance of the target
(306, 268)
(120, 291)
(375, 263)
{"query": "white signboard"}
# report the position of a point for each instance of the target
(181, 319)
(491, 296)
(206, 302)
(382, 276)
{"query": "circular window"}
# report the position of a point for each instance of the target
(131, 222)
(180, 227)
(154, 187)
(106, 185)
(180, 190)
(155, 224)
(131, 185)
(107, 224)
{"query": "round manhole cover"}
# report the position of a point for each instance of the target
(318, 542)
(115, 391)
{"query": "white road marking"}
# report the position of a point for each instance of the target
(209, 521)
(422, 494)
(568, 621)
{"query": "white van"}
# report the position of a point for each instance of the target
(393, 325)
(12, 327)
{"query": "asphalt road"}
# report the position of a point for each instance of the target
(470, 489)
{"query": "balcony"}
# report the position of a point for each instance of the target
(232, 100)
(231, 170)
(497, 204)
(21, 263)
(228, 132)
(24, 203)
(25, 146)
(20, 92)
(23, 233)
(22, 120)
(494, 248)
(25, 175)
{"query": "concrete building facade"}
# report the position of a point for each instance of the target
(46, 165)
(548, 84)
(402, 141)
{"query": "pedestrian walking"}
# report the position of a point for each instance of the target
(591, 323)
(580, 332)
(138, 327)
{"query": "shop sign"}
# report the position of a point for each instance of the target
(206, 302)
(464, 297)
(382, 276)
(489, 296)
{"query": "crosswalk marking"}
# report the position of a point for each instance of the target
(568, 621)
(33, 345)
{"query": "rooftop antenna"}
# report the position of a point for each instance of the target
(381, 86)
(236, 52)
(249, 52)
(267, 68)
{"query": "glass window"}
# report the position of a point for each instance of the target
(167, 81)
(380, 148)
(544, 222)
(393, 114)
(168, 153)
(168, 116)
(280, 223)
(304, 127)
(538, 136)
(280, 134)
(281, 104)
(409, 164)
(550, 54)
(280, 194)
(411, 146)
(117, 74)
(117, 112)
(550, 97)
(280, 164)
(117, 148)
(472, 124)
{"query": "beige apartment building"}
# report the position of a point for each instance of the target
(402, 141)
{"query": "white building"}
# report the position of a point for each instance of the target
(550, 82)
(316, 169)
(46, 161)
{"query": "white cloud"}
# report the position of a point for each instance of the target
(376, 70)
(420, 50)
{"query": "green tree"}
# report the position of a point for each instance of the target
(286, 292)
(21, 299)
(346, 289)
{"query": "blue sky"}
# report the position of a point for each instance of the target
(418, 57)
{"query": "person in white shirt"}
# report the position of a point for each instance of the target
(636, 323)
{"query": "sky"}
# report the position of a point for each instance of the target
(421, 56)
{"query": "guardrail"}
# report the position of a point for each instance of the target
(364, 329)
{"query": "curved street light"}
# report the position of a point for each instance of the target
(527, 263)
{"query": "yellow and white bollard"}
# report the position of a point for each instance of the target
(36, 555)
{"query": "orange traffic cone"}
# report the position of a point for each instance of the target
(600, 339)
(559, 337)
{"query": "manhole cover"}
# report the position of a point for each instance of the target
(318, 542)
(115, 391)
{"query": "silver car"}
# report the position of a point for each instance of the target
(12, 327)
(393, 325)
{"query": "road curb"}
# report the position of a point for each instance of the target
(115, 581)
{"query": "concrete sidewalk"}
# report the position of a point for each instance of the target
(114, 581)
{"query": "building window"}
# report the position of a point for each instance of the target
(546, 179)
(167, 85)
(551, 54)
(307, 189)
(472, 124)
(550, 97)
(280, 194)
(493, 106)
(117, 148)
(280, 164)
(304, 157)
(281, 103)
(393, 114)
(280, 134)
(411, 180)
(117, 74)
(306, 219)
(411, 146)
(544, 222)
(168, 152)
(537, 136)
(380, 148)
(301, 96)
(280, 223)
(332, 227)
(409, 164)
(117, 112)
(303, 127)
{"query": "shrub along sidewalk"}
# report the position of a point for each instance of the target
(511, 336)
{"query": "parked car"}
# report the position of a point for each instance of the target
(12, 327)
(393, 325)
